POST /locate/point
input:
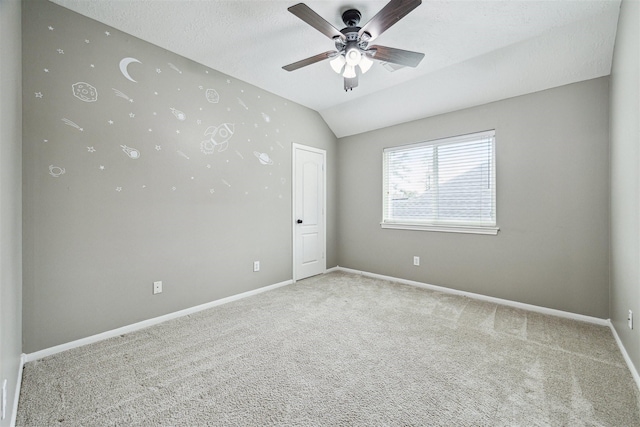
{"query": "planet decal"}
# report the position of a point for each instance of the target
(131, 152)
(219, 137)
(56, 171)
(212, 96)
(85, 92)
(263, 158)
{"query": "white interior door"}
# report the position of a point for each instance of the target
(309, 228)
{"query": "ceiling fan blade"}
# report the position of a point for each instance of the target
(396, 56)
(305, 13)
(311, 60)
(350, 83)
(394, 11)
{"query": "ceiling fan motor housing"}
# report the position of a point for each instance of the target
(351, 32)
(351, 17)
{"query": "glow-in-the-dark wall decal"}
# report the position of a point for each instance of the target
(56, 171)
(179, 114)
(212, 96)
(121, 94)
(124, 63)
(219, 137)
(241, 102)
(263, 158)
(85, 92)
(72, 124)
(173, 67)
(231, 106)
(131, 152)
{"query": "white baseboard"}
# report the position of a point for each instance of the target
(623, 350)
(146, 323)
(16, 397)
(515, 304)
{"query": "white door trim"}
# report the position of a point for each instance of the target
(294, 147)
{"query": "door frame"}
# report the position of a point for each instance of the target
(294, 148)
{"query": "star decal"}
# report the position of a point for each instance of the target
(158, 147)
(118, 189)
(107, 33)
(51, 28)
(60, 51)
(132, 115)
(38, 94)
(46, 70)
(91, 149)
(110, 122)
(101, 167)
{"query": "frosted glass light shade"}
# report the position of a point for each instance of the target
(337, 63)
(353, 56)
(365, 64)
(349, 71)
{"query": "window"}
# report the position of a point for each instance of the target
(442, 185)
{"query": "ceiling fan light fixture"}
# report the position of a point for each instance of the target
(353, 56)
(365, 64)
(337, 63)
(349, 71)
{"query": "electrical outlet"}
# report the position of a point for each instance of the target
(630, 319)
(416, 260)
(256, 266)
(157, 287)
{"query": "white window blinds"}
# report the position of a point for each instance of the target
(448, 183)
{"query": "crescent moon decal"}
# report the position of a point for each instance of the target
(123, 67)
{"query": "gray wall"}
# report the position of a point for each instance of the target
(552, 203)
(10, 200)
(625, 179)
(127, 182)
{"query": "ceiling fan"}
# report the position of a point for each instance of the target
(352, 42)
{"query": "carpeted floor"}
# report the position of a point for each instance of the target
(341, 349)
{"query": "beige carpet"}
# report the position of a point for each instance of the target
(341, 349)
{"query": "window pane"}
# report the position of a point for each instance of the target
(441, 182)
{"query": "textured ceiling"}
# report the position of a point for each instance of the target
(475, 51)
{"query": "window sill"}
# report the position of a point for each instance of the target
(490, 230)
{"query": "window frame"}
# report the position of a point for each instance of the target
(449, 226)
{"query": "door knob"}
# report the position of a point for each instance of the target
(299, 221)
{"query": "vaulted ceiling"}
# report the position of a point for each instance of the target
(475, 51)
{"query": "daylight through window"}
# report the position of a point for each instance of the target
(442, 185)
